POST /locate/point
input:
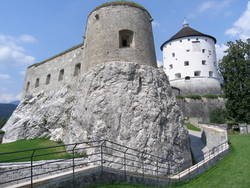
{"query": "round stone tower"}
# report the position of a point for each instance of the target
(189, 60)
(119, 31)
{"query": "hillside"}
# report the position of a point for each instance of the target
(6, 110)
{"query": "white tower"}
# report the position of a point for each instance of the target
(189, 60)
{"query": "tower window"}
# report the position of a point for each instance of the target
(210, 73)
(173, 54)
(61, 74)
(210, 52)
(125, 38)
(37, 83)
(97, 16)
(77, 69)
(188, 50)
(27, 86)
(180, 40)
(170, 66)
(187, 78)
(178, 75)
(188, 39)
(48, 79)
(197, 73)
(203, 50)
(203, 62)
(186, 63)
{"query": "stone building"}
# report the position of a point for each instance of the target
(129, 24)
(189, 60)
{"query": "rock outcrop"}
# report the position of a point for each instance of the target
(127, 103)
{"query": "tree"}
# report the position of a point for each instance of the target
(235, 70)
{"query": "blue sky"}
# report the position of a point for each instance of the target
(33, 30)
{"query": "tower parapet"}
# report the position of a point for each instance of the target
(119, 31)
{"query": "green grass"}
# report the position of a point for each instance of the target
(233, 171)
(31, 144)
(190, 126)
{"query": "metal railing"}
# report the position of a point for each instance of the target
(101, 153)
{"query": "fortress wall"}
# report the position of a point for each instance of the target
(66, 60)
(200, 108)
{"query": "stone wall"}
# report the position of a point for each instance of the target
(200, 108)
(66, 60)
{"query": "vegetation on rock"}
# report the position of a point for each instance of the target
(190, 126)
(218, 116)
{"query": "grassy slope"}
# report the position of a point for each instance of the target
(190, 126)
(30, 144)
(231, 172)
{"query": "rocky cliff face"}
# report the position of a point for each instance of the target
(126, 103)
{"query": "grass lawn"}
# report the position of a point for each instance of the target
(190, 126)
(233, 171)
(30, 144)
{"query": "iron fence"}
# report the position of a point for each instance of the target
(103, 153)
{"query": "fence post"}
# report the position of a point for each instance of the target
(102, 156)
(124, 163)
(31, 168)
(74, 164)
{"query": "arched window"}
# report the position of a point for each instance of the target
(77, 69)
(126, 38)
(178, 75)
(61, 74)
(48, 79)
(27, 86)
(187, 78)
(37, 83)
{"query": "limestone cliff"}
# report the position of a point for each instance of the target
(126, 103)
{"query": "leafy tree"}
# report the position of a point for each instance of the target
(235, 70)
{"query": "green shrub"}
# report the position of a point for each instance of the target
(221, 96)
(218, 116)
(210, 96)
(193, 97)
(2, 132)
(3, 121)
(190, 126)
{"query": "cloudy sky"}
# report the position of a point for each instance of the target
(33, 30)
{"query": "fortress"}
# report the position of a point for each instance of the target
(115, 32)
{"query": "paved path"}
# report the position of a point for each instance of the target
(197, 146)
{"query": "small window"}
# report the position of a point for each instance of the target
(61, 74)
(186, 63)
(214, 63)
(27, 86)
(187, 50)
(210, 73)
(188, 39)
(37, 83)
(187, 78)
(126, 38)
(203, 50)
(197, 73)
(178, 75)
(170, 44)
(97, 16)
(77, 69)
(170, 66)
(203, 62)
(47, 79)
(180, 40)
(173, 54)
(209, 52)
(197, 38)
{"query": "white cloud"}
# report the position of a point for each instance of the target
(27, 38)
(4, 76)
(241, 28)
(213, 5)
(11, 52)
(6, 98)
(220, 51)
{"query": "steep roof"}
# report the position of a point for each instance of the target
(187, 32)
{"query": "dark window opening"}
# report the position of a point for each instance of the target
(170, 66)
(197, 73)
(97, 16)
(203, 50)
(126, 38)
(203, 62)
(187, 78)
(178, 75)
(48, 79)
(61, 74)
(77, 69)
(210, 73)
(37, 83)
(186, 63)
(173, 54)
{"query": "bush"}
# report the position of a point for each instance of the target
(2, 132)
(180, 97)
(218, 116)
(193, 97)
(210, 96)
